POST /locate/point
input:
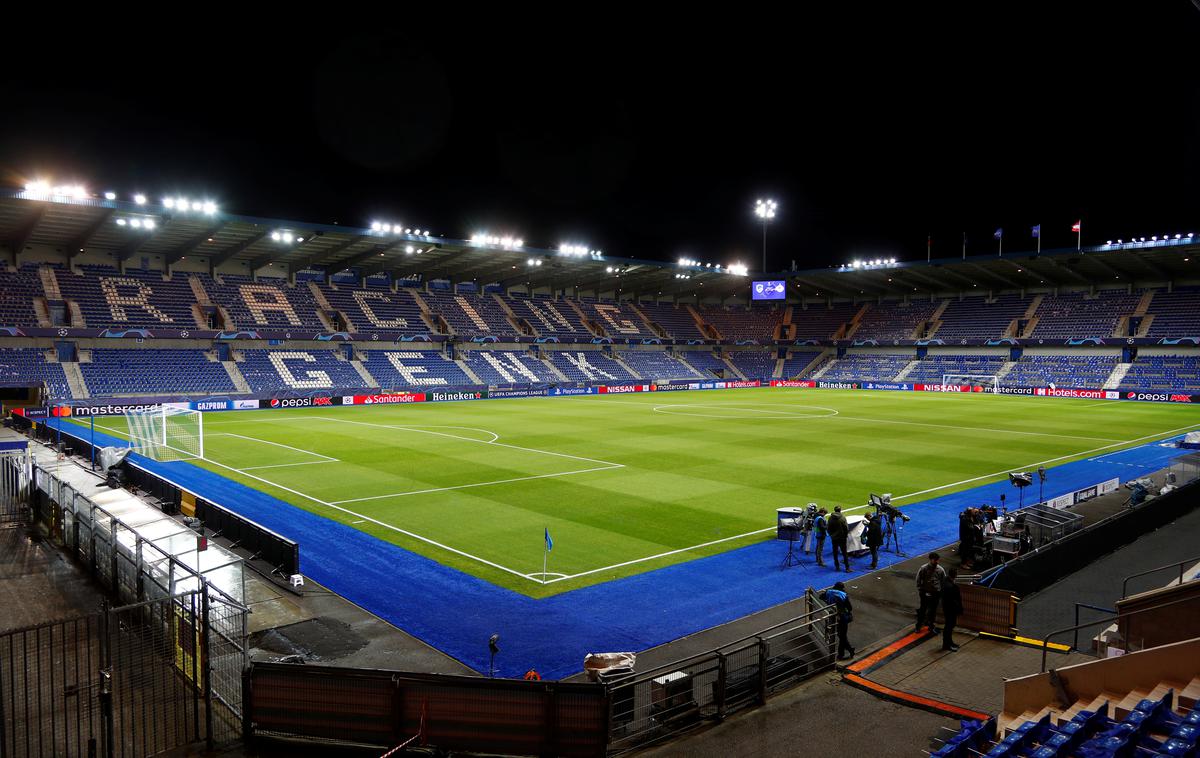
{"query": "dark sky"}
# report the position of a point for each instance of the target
(649, 138)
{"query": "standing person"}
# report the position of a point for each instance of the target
(873, 536)
(837, 596)
(929, 588)
(838, 531)
(819, 530)
(951, 609)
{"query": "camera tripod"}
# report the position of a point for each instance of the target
(793, 557)
(891, 532)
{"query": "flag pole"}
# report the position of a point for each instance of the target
(545, 555)
(964, 246)
(929, 248)
(1079, 237)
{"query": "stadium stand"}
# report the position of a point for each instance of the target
(108, 298)
(676, 321)
(373, 308)
(1061, 370)
(17, 292)
(22, 367)
(1169, 372)
(504, 367)
(616, 319)
(1175, 313)
(273, 370)
(934, 367)
(707, 363)
(413, 368)
(153, 372)
(873, 367)
(470, 315)
(975, 318)
(894, 321)
(754, 364)
(550, 318)
(1077, 316)
(744, 323)
(657, 365)
(263, 303)
(798, 361)
(818, 322)
(588, 366)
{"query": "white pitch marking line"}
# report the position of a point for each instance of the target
(861, 507)
(280, 444)
(405, 532)
(609, 464)
(285, 465)
(477, 484)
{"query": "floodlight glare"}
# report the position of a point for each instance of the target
(299, 239)
(210, 207)
(275, 236)
(409, 249)
(121, 222)
(169, 202)
(376, 226)
(110, 196)
(148, 223)
(139, 199)
(287, 237)
(136, 223)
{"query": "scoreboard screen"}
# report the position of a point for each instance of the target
(768, 290)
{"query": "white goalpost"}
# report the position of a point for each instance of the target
(989, 382)
(167, 433)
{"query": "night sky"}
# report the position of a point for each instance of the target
(872, 129)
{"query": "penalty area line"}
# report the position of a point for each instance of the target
(478, 484)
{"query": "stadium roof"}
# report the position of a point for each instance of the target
(75, 224)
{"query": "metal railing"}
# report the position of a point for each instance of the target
(654, 705)
(1107, 620)
(1180, 565)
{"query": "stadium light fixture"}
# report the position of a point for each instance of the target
(149, 223)
(110, 196)
(210, 207)
(121, 222)
(376, 226)
(136, 223)
(139, 198)
(765, 210)
(408, 249)
(168, 202)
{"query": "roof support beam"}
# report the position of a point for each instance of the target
(22, 236)
(228, 253)
(86, 235)
(1069, 271)
(317, 258)
(173, 256)
(1002, 279)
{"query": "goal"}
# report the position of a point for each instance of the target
(955, 382)
(167, 433)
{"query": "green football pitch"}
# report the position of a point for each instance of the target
(631, 483)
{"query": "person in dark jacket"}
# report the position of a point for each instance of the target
(819, 530)
(873, 536)
(838, 530)
(930, 578)
(951, 609)
(837, 596)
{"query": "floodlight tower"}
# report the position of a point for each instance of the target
(765, 209)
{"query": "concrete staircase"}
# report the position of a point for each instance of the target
(627, 367)
(75, 380)
(554, 369)
(1144, 327)
(1117, 376)
(777, 372)
(848, 329)
(76, 313)
(42, 311)
(935, 321)
(49, 283)
(521, 325)
(198, 291)
(695, 373)
(235, 376)
(1007, 367)
(732, 369)
(358, 366)
(824, 369)
(904, 372)
(654, 328)
(709, 331)
(813, 364)
(467, 370)
(1144, 304)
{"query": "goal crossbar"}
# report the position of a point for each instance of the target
(167, 433)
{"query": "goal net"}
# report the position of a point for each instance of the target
(167, 433)
(970, 382)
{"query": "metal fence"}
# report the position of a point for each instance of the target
(659, 704)
(15, 471)
(123, 682)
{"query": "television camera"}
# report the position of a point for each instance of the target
(892, 520)
(883, 506)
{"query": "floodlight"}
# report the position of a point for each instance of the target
(182, 203)
(169, 202)
(197, 205)
(1176, 236)
(148, 223)
(518, 242)
(139, 199)
(287, 237)
(110, 196)
(1154, 238)
(387, 228)
(409, 249)
(530, 261)
(275, 236)
(376, 226)
(121, 222)
(136, 223)
(210, 207)
(608, 269)
(1118, 242)
(299, 239)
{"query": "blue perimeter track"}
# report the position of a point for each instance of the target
(456, 612)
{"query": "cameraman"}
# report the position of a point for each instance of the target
(820, 529)
(839, 530)
(872, 536)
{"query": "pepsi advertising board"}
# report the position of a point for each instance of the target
(768, 290)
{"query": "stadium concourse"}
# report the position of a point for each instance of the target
(217, 312)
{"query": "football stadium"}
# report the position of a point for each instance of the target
(278, 485)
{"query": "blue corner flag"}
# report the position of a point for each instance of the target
(1037, 231)
(549, 542)
(998, 233)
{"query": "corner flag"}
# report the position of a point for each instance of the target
(549, 542)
